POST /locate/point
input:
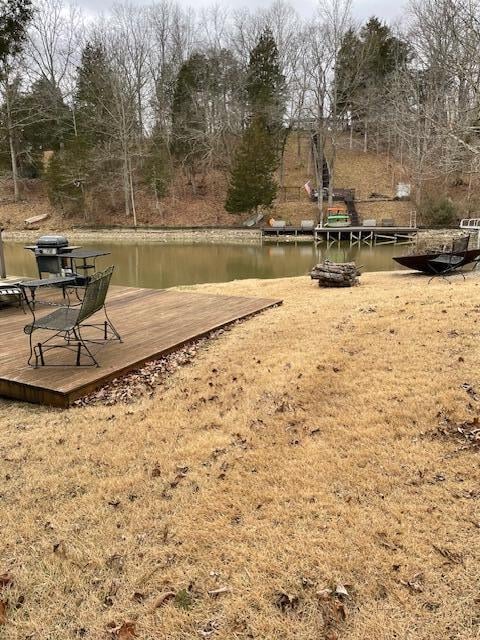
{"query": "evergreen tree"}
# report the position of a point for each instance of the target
(188, 115)
(68, 176)
(265, 85)
(252, 184)
(157, 168)
(365, 63)
(14, 18)
(48, 121)
(93, 95)
(347, 71)
(382, 51)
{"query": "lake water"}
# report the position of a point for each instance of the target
(158, 265)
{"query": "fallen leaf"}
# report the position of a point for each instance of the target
(341, 591)
(285, 601)
(124, 631)
(139, 596)
(112, 592)
(3, 612)
(340, 607)
(156, 472)
(59, 549)
(209, 628)
(115, 562)
(414, 584)
(6, 580)
(451, 556)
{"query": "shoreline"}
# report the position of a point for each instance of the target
(187, 235)
(164, 236)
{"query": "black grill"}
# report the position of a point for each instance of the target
(51, 245)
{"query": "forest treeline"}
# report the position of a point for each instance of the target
(104, 107)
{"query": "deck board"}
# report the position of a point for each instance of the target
(151, 322)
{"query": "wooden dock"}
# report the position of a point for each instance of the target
(336, 235)
(151, 322)
(364, 235)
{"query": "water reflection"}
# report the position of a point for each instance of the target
(165, 265)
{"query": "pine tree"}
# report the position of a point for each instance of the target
(188, 115)
(265, 83)
(157, 169)
(93, 95)
(68, 176)
(347, 71)
(251, 183)
(365, 63)
(14, 18)
(48, 122)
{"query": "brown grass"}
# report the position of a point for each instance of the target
(295, 454)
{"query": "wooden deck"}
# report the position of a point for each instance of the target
(151, 322)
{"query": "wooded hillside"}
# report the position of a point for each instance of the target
(161, 115)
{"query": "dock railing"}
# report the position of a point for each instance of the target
(470, 223)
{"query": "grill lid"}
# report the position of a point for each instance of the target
(52, 241)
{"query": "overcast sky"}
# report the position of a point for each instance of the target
(361, 9)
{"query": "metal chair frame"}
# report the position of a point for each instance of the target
(68, 323)
(449, 262)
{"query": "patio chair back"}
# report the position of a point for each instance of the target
(95, 294)
(460, 244)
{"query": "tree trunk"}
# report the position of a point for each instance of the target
(11, 143)
(332, 174)
(126, 181)
(132, 194)
(318, 149)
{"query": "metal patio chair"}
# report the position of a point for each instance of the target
(68, 323)
(446, 263)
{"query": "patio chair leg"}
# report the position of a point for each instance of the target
(40, 352)
(84, 345)
(32, 351)
(110, 324)
(79, 349)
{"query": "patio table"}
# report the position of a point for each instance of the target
(83, 255)
(32, 285)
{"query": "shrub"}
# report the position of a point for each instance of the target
(439, 212)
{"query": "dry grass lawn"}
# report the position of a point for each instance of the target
(295, 455)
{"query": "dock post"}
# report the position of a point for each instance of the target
(3, 272)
